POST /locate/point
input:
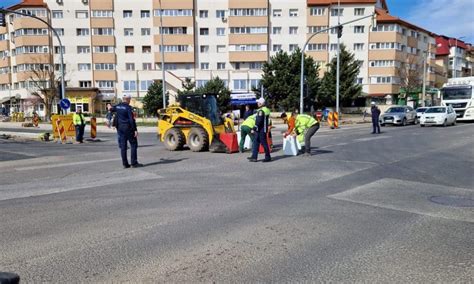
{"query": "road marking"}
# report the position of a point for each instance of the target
(409, 196)
(35, 188)
(65, 164)
(372, 138)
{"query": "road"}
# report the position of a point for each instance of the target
(394, 207)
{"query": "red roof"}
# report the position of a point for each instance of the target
(444, 43)
(28, 3)
(384, 17)
(333, 2)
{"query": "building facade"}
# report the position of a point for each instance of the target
(115, 45)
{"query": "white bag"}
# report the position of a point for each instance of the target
(247, 143)
(290, 146)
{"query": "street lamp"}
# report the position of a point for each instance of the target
(454, 60)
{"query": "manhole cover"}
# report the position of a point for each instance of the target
(453, 200)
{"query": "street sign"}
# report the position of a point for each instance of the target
(65, 104)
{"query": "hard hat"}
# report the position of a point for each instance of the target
(261, 101)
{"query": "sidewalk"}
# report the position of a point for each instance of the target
(46, 127)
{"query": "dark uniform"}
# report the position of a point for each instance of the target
(126, 128)
(375, 119)
(261, 129)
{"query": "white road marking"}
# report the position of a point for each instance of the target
(372, 138)
(35, 188)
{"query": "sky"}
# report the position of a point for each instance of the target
(453, 18)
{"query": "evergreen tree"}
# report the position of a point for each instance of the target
(281, 81)
(348, 87)
(217, 87)
(153, 99)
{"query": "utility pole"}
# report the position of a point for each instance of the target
(339, 34)
(163, 73)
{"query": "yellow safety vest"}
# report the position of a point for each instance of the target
(304, 122)
(76, 119)
(250, 121)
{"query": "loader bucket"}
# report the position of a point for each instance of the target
(217, 146)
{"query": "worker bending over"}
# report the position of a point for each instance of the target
(305, 126)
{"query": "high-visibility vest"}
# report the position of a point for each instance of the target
(304, 122)
(250, 121)
(78, 119)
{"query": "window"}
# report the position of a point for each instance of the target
(220, 13)
(384, 80)
(145, 85)
(82, 32)
(84, 67)
(384, 63)
(128, 32)
(237, 66)
(255, 65)
(293, 47)
(276, 47)
(220, 65)
(248, 30)
(221, 49)
(25, 32)
(204, 31)
(317, 46)
(31, 49)
(204, 48)
(316, 29)
(293, 13)
(104, 49)
(337, 12)
(83, 49)
(130, 66)
(145, 14)
(173, 13)
(104, 66)
(85, 84)
(386, 28)
(359, 81)
(203, 14)
(254, 83)
(171, 31)
(358, 46)
(82, 14)
(358, 29)
(129, 49)
(60, 31)
(127, 13)
(57, 49)
(276, 13)
(105, 84)
(33, 12)
(240, 84)
(359, 11)
(317, 11)
(103, 31)
(293, 30)
(102, 14)
(276, 30)
(204, 66)
(386, 45)
(147, 66)
(248, 47)
(333, 46)
(175, 48)
(57, 14)
(146, 49)
(249, 12)
(220, 31)
(146, 31)
(130, 85)
(201, 83)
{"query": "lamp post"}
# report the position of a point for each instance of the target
(338, 54)
(373, 16)
(63, 86)
(455, 57)
(163, 73)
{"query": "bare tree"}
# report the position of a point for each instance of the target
(411, 75)
(45, 86)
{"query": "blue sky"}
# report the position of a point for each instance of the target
(447, 17)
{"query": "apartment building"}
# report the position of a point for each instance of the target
(114, 46)
(455, 55)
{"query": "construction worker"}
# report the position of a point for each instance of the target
(261, 128)
(246, 129)
(127, 131)
(305, 127)
(79, 124)
(375, 112)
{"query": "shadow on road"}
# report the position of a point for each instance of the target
(165, 161)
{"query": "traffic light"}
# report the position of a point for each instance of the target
(339, 31)
(3, 22)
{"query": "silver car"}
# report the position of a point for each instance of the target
(399, 115)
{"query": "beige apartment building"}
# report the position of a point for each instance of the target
(113, 47)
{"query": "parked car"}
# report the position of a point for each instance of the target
(438, 116)
(420, 111)
(399, 115)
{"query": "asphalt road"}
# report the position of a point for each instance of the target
(394, 207)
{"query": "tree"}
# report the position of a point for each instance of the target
(217, 87)
(411, 76)
(281, 80)
(348, 87)
(188, 87)
(46, 87)
(153, 99)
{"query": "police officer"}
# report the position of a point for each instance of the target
(261, 129)
(127, 131)
(375, 112)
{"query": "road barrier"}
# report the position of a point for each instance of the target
(93, 127)
(61, 131)
(35, 120)
(330, 119)
(67, 123)
(336, 120)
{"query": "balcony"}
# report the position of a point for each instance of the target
(248, 56)
(248, 39)
(176, 57)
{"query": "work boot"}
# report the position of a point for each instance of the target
(267, 160)
(126, 166)
(252, 160)
(137, 165)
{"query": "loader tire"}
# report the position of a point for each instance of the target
(198, 140)
(174, 139)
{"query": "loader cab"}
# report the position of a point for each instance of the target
(204, 105)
